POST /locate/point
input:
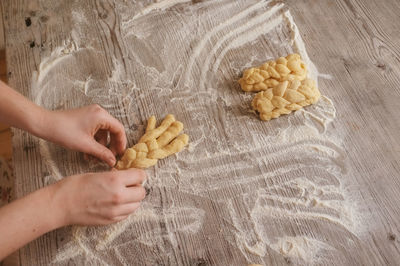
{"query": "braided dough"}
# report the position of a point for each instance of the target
(271, 73)
(156, 143)
(285, 97)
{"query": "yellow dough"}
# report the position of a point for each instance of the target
(285, 97)
(156, 143)
(271, 73)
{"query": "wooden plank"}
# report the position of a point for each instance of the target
(3, 65)
(2, 41)
(3, 77)
(5, 144)
(28, 175)
(235, 196)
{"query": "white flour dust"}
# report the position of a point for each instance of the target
(276, 185)
(85, 244)
(299, 247)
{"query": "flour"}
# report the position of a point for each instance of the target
(206, 38)
(303, 248)
(82, 237)
(158, 6)
(298, 44)
(249, 31)
(269, 182)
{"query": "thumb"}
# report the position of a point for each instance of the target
(101, 152)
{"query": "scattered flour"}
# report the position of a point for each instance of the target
(300, 247)
(266, 179)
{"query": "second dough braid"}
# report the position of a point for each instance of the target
(284, 98)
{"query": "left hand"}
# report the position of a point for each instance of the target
(85, 129)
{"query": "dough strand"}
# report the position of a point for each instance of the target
(156, 143)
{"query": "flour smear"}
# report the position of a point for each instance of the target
(276, 186)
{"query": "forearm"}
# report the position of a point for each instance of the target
(28, 218)
(18, 111)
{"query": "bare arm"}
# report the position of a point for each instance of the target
(26, 219)
(84, 129)
(17, 111)
(90, 199)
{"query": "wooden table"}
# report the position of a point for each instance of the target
(320, 186)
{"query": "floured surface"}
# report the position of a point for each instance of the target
(245, 191)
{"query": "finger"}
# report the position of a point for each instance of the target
(133, 194)
(115, 145)
(119, 218)
(132, 177)
(117, 133)
(89, 158)
(96, 149)
(126, 209)
(107, 220)
(86, 157)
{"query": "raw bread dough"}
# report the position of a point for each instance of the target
(156, 143)
(285, 97)
(271, 73)
(282, 85)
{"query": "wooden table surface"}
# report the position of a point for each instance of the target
(320, 186)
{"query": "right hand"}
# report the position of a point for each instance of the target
(98, 198)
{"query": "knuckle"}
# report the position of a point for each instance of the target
(141, 174)
(116, 198)
(99, 111)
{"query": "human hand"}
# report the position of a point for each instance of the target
(98, 198)
(85, 129)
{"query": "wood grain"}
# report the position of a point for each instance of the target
(5, 131)
(357, 42)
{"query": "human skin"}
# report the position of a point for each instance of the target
(85, 199)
